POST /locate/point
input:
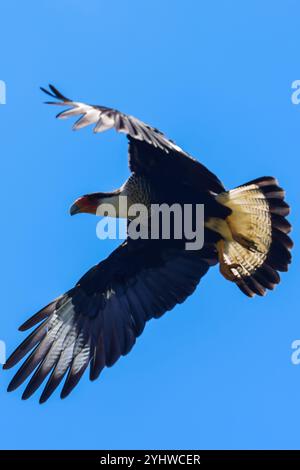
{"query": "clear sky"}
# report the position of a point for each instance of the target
(216, 76)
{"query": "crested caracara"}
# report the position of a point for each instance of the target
(99, 319)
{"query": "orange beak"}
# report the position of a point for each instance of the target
(85, 204)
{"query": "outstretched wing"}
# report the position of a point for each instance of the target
(150, 151)
(99, 319)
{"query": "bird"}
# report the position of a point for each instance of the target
(99, 319)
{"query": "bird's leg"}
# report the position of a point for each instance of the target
(225, 268)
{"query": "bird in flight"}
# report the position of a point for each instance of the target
(99, 319)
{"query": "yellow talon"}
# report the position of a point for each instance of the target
(225, 268)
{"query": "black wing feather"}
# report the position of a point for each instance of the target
(99, 320)
(150, 151)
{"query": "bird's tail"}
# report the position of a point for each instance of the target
(256, 245)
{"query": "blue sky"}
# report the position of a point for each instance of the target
(216, 76)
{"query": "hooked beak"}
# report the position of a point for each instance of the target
(85, 204)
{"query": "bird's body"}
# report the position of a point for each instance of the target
(99, 319)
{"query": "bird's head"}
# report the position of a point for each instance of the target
(88, 204)
(95, 203)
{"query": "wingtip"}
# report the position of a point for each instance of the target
(22, 327)
(47, 92)
(11, 387)
(8, 364)
(25, 395)
(54, 93)
(64, 394)
(25, 326)
(46, 394)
